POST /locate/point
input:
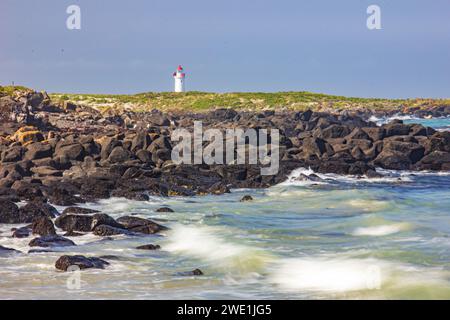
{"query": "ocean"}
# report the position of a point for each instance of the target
(330, 236)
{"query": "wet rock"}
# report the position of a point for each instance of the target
(246, 198)
(73, 234)
(62, 197)
(164, 209)
(436, 160)
(51, 241)
(393, 160)
(131, 195)
(79, 210)
(103, 219)
(149, 247)
(105, 231)
(36, 209)
(413, 151)
(74, 222)
(140, 225)
(9, 212)
(82, 262)
(43, 226)
(20, 233)
(34, 251)
(196, 272)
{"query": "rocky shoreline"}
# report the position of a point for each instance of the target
(67, 154)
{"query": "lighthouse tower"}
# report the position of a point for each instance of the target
(179, 77)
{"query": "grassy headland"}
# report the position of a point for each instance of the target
(204, 101)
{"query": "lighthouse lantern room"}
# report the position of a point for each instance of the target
(179, 77)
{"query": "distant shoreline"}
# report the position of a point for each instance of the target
(244, 101)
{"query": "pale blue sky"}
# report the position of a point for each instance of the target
(229, 45)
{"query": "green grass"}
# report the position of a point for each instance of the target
(203, 101)
(9, 90)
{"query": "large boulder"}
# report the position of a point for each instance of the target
(119, 155)
(413, 151)
(12, 154)
(51, 241)
(43, 226)
(140, 141)
(9, 212)
(103, 219)
(314, 146)
(375, 133)
(36, 209)
(74, 222)
(79, 210)
(73, 151)
(38, 150)
(106, 231)
(140, 225)
(393, 160)
(396, 128)
(436, 160)
(64, 262)
(332, 132)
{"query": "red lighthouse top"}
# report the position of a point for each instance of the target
(180, 68)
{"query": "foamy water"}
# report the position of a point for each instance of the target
(313, 236)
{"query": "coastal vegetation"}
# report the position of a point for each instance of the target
(244, 101)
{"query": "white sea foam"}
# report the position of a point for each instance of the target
(204, 243)
(381, 230)
(329, 274)
(299, 177)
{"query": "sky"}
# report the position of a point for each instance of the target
(229, 46)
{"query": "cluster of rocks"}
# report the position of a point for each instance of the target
(45, 225)
(65, 154)
(70, 154)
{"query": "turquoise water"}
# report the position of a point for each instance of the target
(340, 238)
(437, 123)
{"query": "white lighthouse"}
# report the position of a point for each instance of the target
(179, 77)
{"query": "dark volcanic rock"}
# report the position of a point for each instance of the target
(43, 226)
(149, 247)
(140, 225)
(196, 272)
(38, 150)
(103, 219)
(23, 232)
(9, 212)
(64, 262)
(73, 234)
(36, 209)
(164, 209)
(79, 210)
(246, 198)
(73, 222)
(51, 241)
(106, 230)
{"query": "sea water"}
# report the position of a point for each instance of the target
(337, 237)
